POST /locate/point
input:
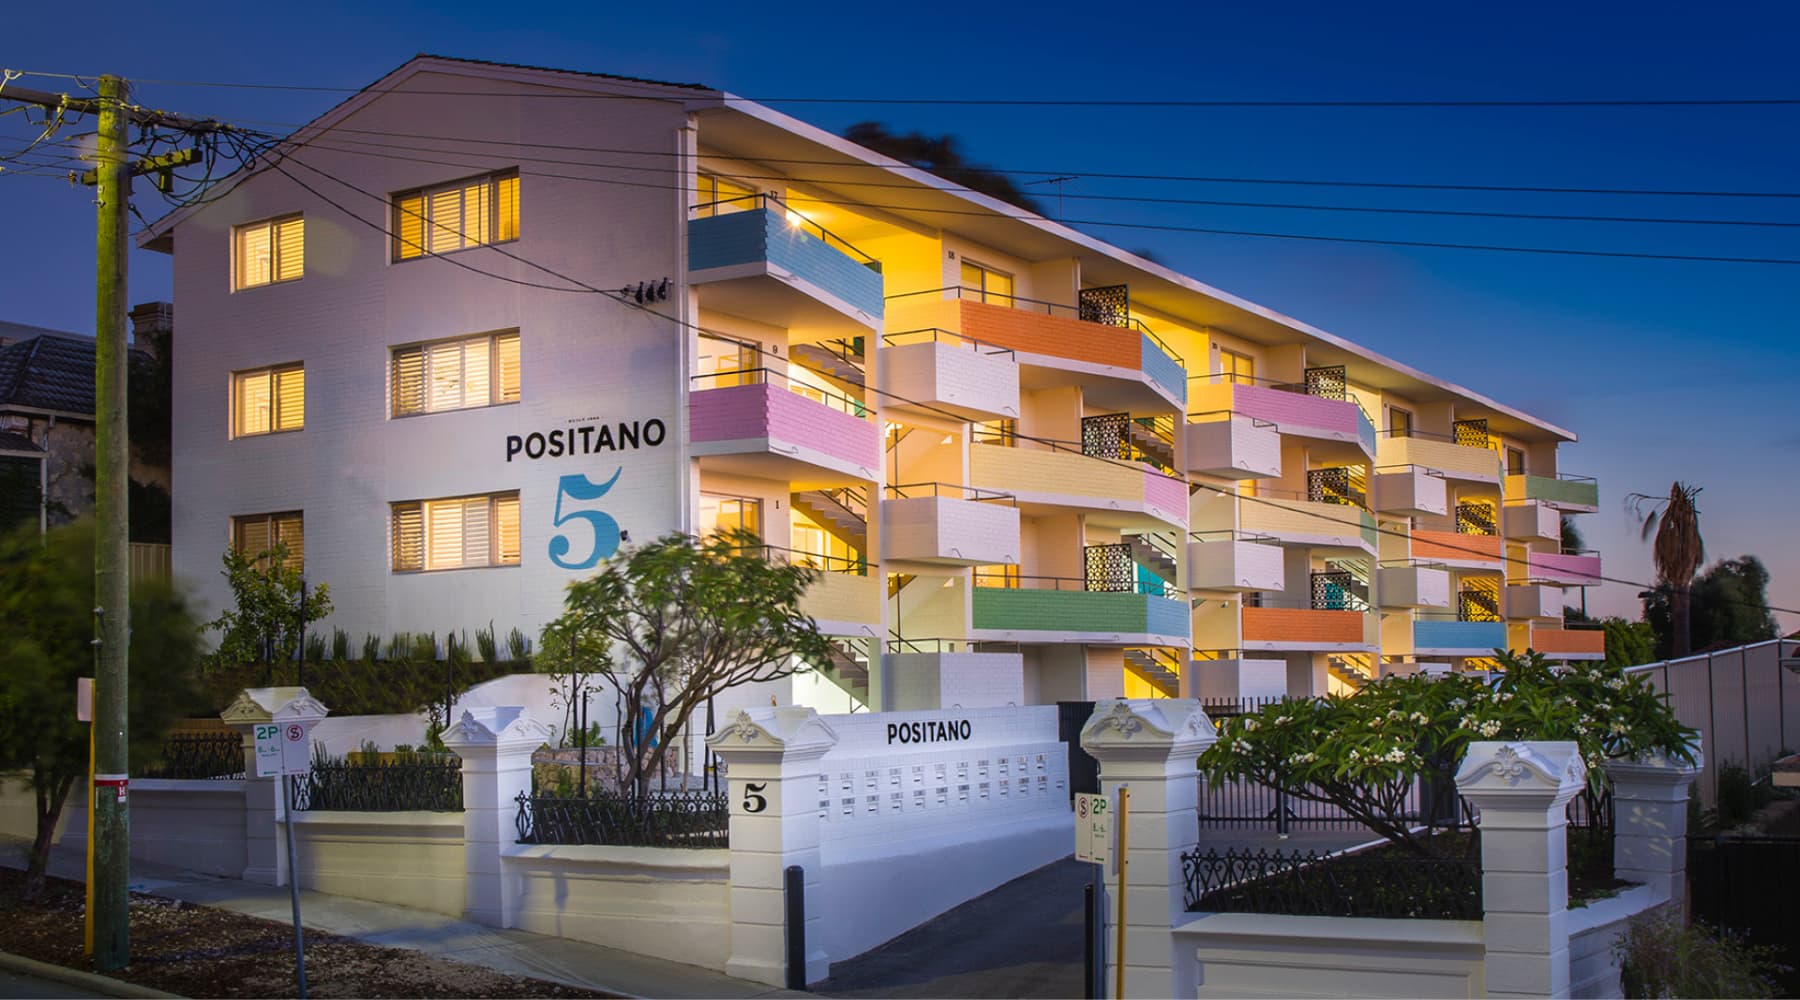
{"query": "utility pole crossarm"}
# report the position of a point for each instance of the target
(92, 105)
(151, 164)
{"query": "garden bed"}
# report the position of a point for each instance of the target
(199, 951)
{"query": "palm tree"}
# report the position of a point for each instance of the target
(1678, 550)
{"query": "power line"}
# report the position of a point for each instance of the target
(1149, 227)
(626, 301)
(1011, 102)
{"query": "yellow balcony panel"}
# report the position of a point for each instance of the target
(1464, 463)
(1308, 522)
(844, 603)
(1233, 446)
(1412, 491)
(1112, 494)
(1532, 521)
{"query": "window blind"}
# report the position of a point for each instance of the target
(269, 251)
(456, 374)
(449, 217)
(456, 532)
(269, 400)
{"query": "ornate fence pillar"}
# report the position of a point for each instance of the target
(772, 756)
(1649, 803)
(1150, 746)
(1522, 790)
(266, 859)
(495, 744)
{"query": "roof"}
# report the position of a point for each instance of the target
(51, 371)
(11, 332)
(10, 442)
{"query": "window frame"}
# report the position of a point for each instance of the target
(271, 519)
(1407, 417)
(985, 296)
(491, 179)
(1232, 376)
(711, 204)
(273, 372)
(273, 224)
(1507, 454)
(423, 347)
(496, 546)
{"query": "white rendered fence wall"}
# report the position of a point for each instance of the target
(666, 902)
(406, 858)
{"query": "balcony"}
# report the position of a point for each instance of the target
(1533, 601)
(1232, 446)
(932, 371)
(1413, 585)
(1301, 629)
(1569, 643)
(846, 599)
(1563, 568)
(1411, 491)
(1294, 520)
(1054, 475)
(1457, 549)
(1532, 521)
(1053, 609)
(1294, 411)
(1120, 363)
(763, 424)
(1442, 454)
(949, 525)
(1442, 635)
(766, 262)
(1228, 560)
(1571, 494)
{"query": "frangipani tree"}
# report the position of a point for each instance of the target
(1364, 752)
(675, 622)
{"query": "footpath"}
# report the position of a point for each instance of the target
(514, 952)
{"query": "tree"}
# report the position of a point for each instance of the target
(1677, 552)
(1628, 643)
(674, 622)
(269, 613)
(1364, 752)
(941, 155)
(1727, 606)
(46, 628)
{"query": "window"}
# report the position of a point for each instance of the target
(994, 287)
(1239, 369)
(456, 374)
(466, 213)
(1399, 423)
(1515, 462)
(719, 514)
(254, 535)
(1005, 575)
(268, 251)
(731, 362)
(715, 195)
(456, 532)
(268, 400)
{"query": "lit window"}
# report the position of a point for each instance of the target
(456, 374)
(456, 532)
(255, 535)
(1239, 369)
(269, 251)
(722, 514)
(449, 217)
(268, 400)
(987, 285)
(715, 195)
(1399, 422)
(1515, 462)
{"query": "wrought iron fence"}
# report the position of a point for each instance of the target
(1381, 882)
(199, 755)
(1237, 804)
(661, 819)
(428, 782)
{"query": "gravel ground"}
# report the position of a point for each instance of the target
(198, 951)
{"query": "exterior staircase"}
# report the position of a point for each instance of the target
(1154, 554)
(1156, 666)
(1154, 436)
(1354, 669)
(849, 670)
(844, 367)
(841, 512)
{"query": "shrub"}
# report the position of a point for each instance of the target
(340, 645)
(399, 646)
(518, 648)
(424, 647)
(371, 648)
(315, 647)
(1737, 796)
(1660, 957)
(484, 643)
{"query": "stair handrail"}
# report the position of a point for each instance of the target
(831, 564)
(1233, 535)
(1255, 421)
(1156, 541)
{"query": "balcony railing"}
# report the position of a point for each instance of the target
(1338, 590)
(1085, 312)
(1018, 581)
(937, 335)
(847, 565)
(766, 201)
(781, 379)
(949, 491)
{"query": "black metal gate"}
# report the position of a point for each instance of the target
(1749, 885)
(1084, 770)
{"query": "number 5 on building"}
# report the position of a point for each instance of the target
(606, 530)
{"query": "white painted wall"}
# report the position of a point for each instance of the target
(664, 902)
(1593, 929)
(406, 858)
(1264, 955)
(194, 825)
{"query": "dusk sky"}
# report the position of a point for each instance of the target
(1666, 369)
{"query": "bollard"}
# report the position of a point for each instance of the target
(795, 896)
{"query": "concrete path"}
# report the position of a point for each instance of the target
(17, 984)
(510, 951)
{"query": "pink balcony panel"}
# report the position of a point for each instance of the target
(1297, 412)
(1560, 568)
(750, 412)
(1166, 496)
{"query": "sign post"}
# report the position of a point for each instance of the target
(1124, 829)
(283, 749)
(1093, 844)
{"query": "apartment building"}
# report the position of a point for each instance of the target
(1032, 466)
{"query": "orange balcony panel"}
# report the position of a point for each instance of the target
(1057, 336)
(1572, 643)
(1302, 625)
(1454, 547)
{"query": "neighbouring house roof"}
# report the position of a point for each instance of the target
(10, 443)
(51, 371)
